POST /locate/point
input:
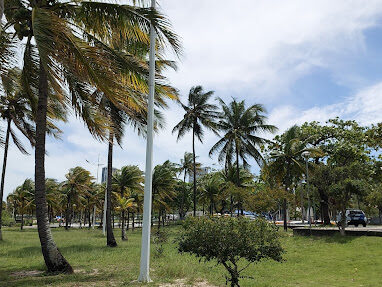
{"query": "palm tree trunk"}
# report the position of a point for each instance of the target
(194, 167)
(128, 220)
(67, 214)
(109, 230)
(239, 207)
(54, 260)
(3, 172)
(123, 225)
(22, 221)
(133, 223)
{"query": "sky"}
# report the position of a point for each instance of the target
(303, 60)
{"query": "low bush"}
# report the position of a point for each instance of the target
(230, 240)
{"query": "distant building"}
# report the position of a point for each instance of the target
(200, 172)
(104, 174)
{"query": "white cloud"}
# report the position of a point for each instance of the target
(265, 45)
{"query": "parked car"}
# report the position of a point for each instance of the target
(354, 217)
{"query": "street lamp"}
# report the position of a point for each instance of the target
(306, 156)
(144, 275)
(94, 208)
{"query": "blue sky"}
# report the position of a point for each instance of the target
(304, 60)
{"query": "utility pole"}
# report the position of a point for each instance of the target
(144, 275)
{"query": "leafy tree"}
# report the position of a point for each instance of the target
(229, 241)
(241, 129)
(199, 113)
(327, 138)
(183, 198)
(127, 181)
(69, 48)
(286, 161)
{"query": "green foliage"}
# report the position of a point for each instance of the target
(229, 240)
(241, 129)
(160, 237)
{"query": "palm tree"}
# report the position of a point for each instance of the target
(16, 109)
(23, 198)
(199, 113)
(163, 185)
(186, 165)
(229, 185)
(124, 204)
(241, 129)
(211, 189)
(77, 182)
(69, 48)
(127, 181)
(286, 161)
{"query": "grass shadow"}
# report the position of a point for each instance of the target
(48, 279)
(337, 238)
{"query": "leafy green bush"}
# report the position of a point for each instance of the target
(7, 219)
(229, 240)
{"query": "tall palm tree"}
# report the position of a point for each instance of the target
(127, 181)
(286, 161)
(199, 113)
(69, 49)
(242, 129)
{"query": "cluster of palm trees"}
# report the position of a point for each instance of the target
(241, 130)
(88, 57)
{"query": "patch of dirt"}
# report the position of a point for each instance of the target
(182, 283)
(82, 271)
(26, 273)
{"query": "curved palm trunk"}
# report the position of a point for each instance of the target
(285, 204)
(3, 172)
(109, 230)
(54, 260)
(194, 167)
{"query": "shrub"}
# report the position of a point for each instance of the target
(160, 237)
(229, 240)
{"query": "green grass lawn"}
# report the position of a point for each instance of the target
(328, 261)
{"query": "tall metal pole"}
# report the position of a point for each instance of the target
(307, 189)
(144, 275)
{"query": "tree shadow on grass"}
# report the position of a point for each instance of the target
(337, 238)
(29, 251)
(48, 279)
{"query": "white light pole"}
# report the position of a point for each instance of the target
(306, 155)
(144, 275)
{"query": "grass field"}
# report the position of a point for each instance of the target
(333, 261)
